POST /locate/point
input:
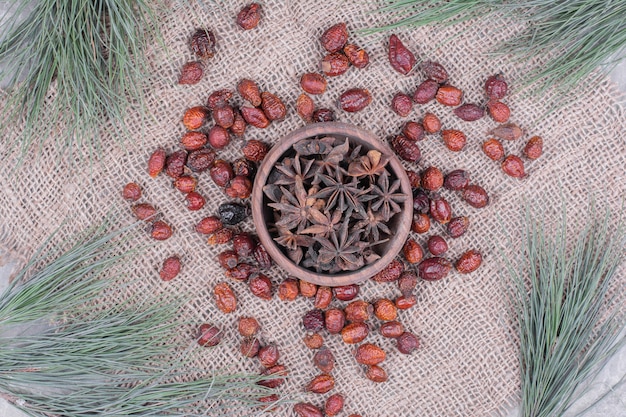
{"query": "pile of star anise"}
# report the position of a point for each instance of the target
(332, 203)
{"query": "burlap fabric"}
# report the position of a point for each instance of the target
(467, 364)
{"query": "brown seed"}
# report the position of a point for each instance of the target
(239, 187)
(208, 225)
(228, 259)
(255, 150)
(412, 251)
(219, 98)
(498, 111)
(313, 83)
(288, 289)
(219, 137)
(449, 95)
(356, 55)
(261, 286)
(144, 211)
(413, 131)
(156, 162)
(221, 172)
(376, 373)
(406, 149)
(390, 273)
(272, 106)
(160, 230)
(431, 123)
(313, 341)
(469, 261)
(391, 329)
(400, 58)
(426, 91)
(407, 343)
(437, 245)
(170, 269)
(493, 149)
(454, 140)
(131, 192)
(354, 332)
(401, 104)
(534, 147)
(268, 355)
(241, 166)
(469, 112)
(407, 282)
(248, 326)
(513, 166)
(262, 257)
(175, 164)
(249, 347)
(305, 107)
(195, 117)
(249, 91)
(202, 43)
(496, 87)
(385, 310)
(335, 64)
(432, 179)
(220, 236)
(333, 405)
(249, 17)
(346, 292)
(201, 160)
(433, 269)
(192, 141)
(191, 73)
(255, 117)
(475, 196)
(307, 289)
(456, 180)
(313, 320)
(307, 410)
(414, 178)
(355, 99)
(334, 320)
(358, 311)
(335, 37)
(323, 297)
(224, 116)
(369, 354)
(434, 70)
(440, 210)
(323, 115)
(208, 335)
(243, 244)
(421, 223)
(508, 131)
(242, 272)
(457, 226)
(194, 201)
(225, 298)
(405, 302)
(275, 371)
(239, 124)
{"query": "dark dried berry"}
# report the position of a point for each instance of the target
(313, 320)
(131, 192)
(218, 137)
(513, 166)
(201, 160)
(160, 230)
(333, 405)
(288, 289)
(454, 140)
(268, 355)
(356, 55)
(431, 123)
(426, 91)
(254, 116)
(434, 70)
(437, 245)
(406, 149)
(272, 106)
(156, 162)
(313, 83)
(255, 150)
(457, 226)
(193, 141)
(185, 183)
(433, 269)
(413, 252)
(323, 297)
(170, 269)
(262, 257)
(208, 335)
(243, 244)
(225, 298)
(355, 99)
(249, 91)
(209, 225)
(334, 320)
(391, 329)
(390, 273)
(496, 87)
(469, 261)
(509, 131)
(261, 286)
(346, 292)
(191, 73)
(440, 210)
(421, 201)
(413, 131)
(421, 223)
(475, 196)
(321, 384)
(432, 179)
(456, 180)
(534, 147)
(493, 149)
(228, 259)
(335, 37)
(323, 115)
(449, 95)
(233, 213)
(414, 178)
(224, 116)
(219, 98)
(405, 302)
(202, 43)
(194, 201)
(407, 343)
(249, 347)
(239, 187)
(354, 332)
(400, 58)
(401, 104)
(358, 311)
(242, 166)
(144, 211)
(249, 17)
(469, 112)
(242, 272)
(335, 64)
(247, 326)
(175, 163)
(220, 237)
(195, 117)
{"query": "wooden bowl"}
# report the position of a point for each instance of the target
(400, 223)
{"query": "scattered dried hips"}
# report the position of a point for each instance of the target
(170, 269)
(131, 192)
(335, 37)
(249, 17)
(534, 147)
(401, 104)
(225, 298)
(400, 58)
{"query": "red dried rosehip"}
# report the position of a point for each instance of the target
(426, 91)
(209, 225)
(335, 37)
(493, 149)
(346, 292)
(194, 201)
(413, 131)
(170, 269)
(432, 179)
(221, 172)
(433, 269)
(437, 245)
(401, 104)
(440, 210)
(457, 226)
(513, 166)
(534, 147)
(313, 83)
(357, 56)
(469, 261)
(249, 17)
(208, 335)
(400, 58)
(144, 211)
(495, 87)
(475, 196)
(156, 162)
(131, 192)
(160, 230)
(261, 286)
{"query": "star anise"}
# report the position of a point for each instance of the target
(290, 240)
(292, 168)
(341, 249)
(315, 146)
(294, 207)
(342, 194)
(370, 165)
(386, 196)
(311, 260)
(324, 223)
(372, 224)
(331, 161)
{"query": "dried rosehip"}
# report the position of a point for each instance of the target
(175, 164)
(249, 91)
(356, 55)
(434, 70)
(475, 196)
(225, 298)
(224, 116)
(249, 17)
(421, 201)
(513, 166)
(376, 373)
(437, 245)
(194, 201)
(412, 251)
(185, 183)
(307, 289)
(493, 149)
(401, 104)
(469, 112)
(144, 211)
(407, 343)
(249, 347)
(219, 137)
(335, 64)
(201, 160)
(385, 310)
(323, 297)
(239, 187)
(495, 87)
(432, 179)
(219, 98)
(261, 286)
(391, 329)
(156, 162)
(440, 210)
(262, 257)
(243, 244)
(400, 58)
(170, 269)
(248, 326)
(274, 371)
(242, 166)
(346, 292)
(334, 320)
(305, 107)
(358, 311)
(192, 141)
(509, 131)
(288, 289)
(202, 43)
(313, 341)
(333, 405)
(160, 230)
(220, 237)
(454, 140)
(369, 354)
(268, 355)
(390, 273)
(426, 91)
(469, 261)
(323, 115)
(254, 116)
(431, 123)
(195, 117)
(498, 111)
(255, 150)
(191, 73)
(335, 37)
(433, 269)
(405, 302)
(272, 106)
(421, 223)
(307, 410)
(131, 192)
(221, 172)
(457, 226)
(239, 124)
(456, 180)
(228, 259)
(321, 384)
(414, 178)
(534, 147)
(407, 282)
(406, 149)
(242, 272)
(324, 360)
(269, 399)
(355, 99)
(354, 332)
(313, 83)
(413, 131)
(313, 320)
(209, 225)
(449, 95)
(208, 335)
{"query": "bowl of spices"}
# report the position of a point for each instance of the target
(332, 204)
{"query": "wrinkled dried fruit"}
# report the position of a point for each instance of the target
(249, 17)
(495, 87)
(249, 347)
(406, 149)
(254, 117)
(274, 371)
(225, 298)
(233, 213)
(195, 117)
(208, 225)
(440, 210)
(243, 244)
(385, 310)
(194, 201)
(248, 326)
(432, 179)
(400, 58)
(323, 115)
(131, 192)
(313, 320)
(346, 292)
(437, 245)
(401, 104)
(457, 226)
(433, 269)
(390, 273)
(355, 99)
(170, 269)
(219, 98)
(224, 117)
(414, 178)
(407, 343)
(412, 251)
(509, 131)
(456, 180)
(426, 91)
(334, 320)
(255, 150)
(307, 410)
(405, 302)
(313, 341)
(261, 286)
(185, 183)
(407, 282)
(449, 95)
(143, 211)
(307, 289)
(268, 355)
(175, 164)
(431, 123)
(269, 399)
(239, 187)
(220, 237)
(534, 147)
(358, 311)
(305, 107)
(239, 124)
(376, 373)
(249, 91)
(513, 166)
(242, 272)
(288, 289)
(272, 106)
(262, 257)
(335, 64)
(201, 160)
(193, 141)
(391, 329)
(354, 332)
(313, 83)
(369, 354)
(475, 196)
(454, 140)
(335, 37)
(434, 70)
(469, 261)
(493, 149)
(208, 335)
(242, 166)
(221, 172)
(228, 259)
(323, 297)
(202, 43)
(333, 405)
(356, 55)
(421, 201)
(421, 223)
(469, 112)
(498, 111)
(191, 73)
(413, 131)
(156, 162)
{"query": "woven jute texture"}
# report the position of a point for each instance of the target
(467, 363)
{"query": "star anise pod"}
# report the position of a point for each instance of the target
(342, 194)
(324, 223)
(321, 146)
(342, 249)
(294, 207)
(311, 260)
(371, 165)
(387, 198)
(290, 240)
(292, 168)
(372, 224)
(331, 161)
